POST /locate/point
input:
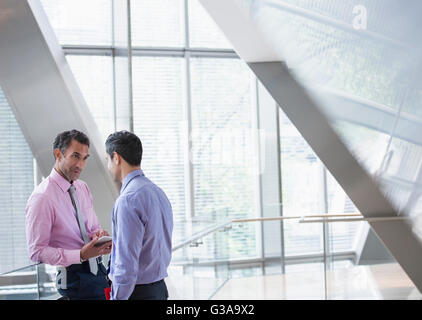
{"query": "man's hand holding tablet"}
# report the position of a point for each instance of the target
(102, 240)
(99, 245)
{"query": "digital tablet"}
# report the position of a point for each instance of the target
(102, 240)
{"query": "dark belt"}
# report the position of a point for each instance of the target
(142, 284)
(149, 284)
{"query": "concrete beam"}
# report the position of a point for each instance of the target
(45, 97)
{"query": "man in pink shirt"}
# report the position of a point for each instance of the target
(61, 225)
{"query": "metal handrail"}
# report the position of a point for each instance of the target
(19, 269)
(327, 218)
(212, 229)
(323, 218)
(369, 219)
(183, 243)
(297, 217)
(201, 234)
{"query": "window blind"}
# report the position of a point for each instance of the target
(203, 31)
(94, 75)
(158, 112)
(158, 23)
(303, 193)
(222, 147)
(16, 185)
(80, 22)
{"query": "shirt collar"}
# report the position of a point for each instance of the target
(61, 182)
(129, 177)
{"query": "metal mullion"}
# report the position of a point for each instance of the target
(280, 184)
(211, 50)
(187, 26)
(259, 176)
(86, 46)
(189, 182)
(182, 52)
(113, 39)
(326, 233)
(189, 165)
(114, 93)
(37, 279)
(88, 52)
(130, 78)
(137, 52)
(112, 23)
(213, 54)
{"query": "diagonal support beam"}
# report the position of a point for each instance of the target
(45, 97)
(240, 28)
(316, 130)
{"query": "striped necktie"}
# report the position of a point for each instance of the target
(93, 265)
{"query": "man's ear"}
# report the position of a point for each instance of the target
(116, 158)
(57, 154)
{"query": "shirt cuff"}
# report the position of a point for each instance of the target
(122, 291)
(73, 257)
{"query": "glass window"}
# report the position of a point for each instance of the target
(302, 191)
(221, 109)
(222, 146)
(16, 185)
(362, 63)
(203, 31)
(343, 235)
(158, 112)
(158, 23)
(94, 76)
(80, 22)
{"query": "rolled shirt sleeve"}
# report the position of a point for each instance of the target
(128, 234)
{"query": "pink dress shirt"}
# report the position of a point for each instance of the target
(52, 229)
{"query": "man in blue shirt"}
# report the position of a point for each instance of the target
(142, 225)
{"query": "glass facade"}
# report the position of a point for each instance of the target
(158, 23)
(360, 63)
(94, 75)
(222, 145)
(81, 22)
(193, 106)
(165, 88)
(159, 101)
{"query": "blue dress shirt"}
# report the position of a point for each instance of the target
(142, 225)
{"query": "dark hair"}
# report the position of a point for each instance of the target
(127, 145)
(64, 139)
